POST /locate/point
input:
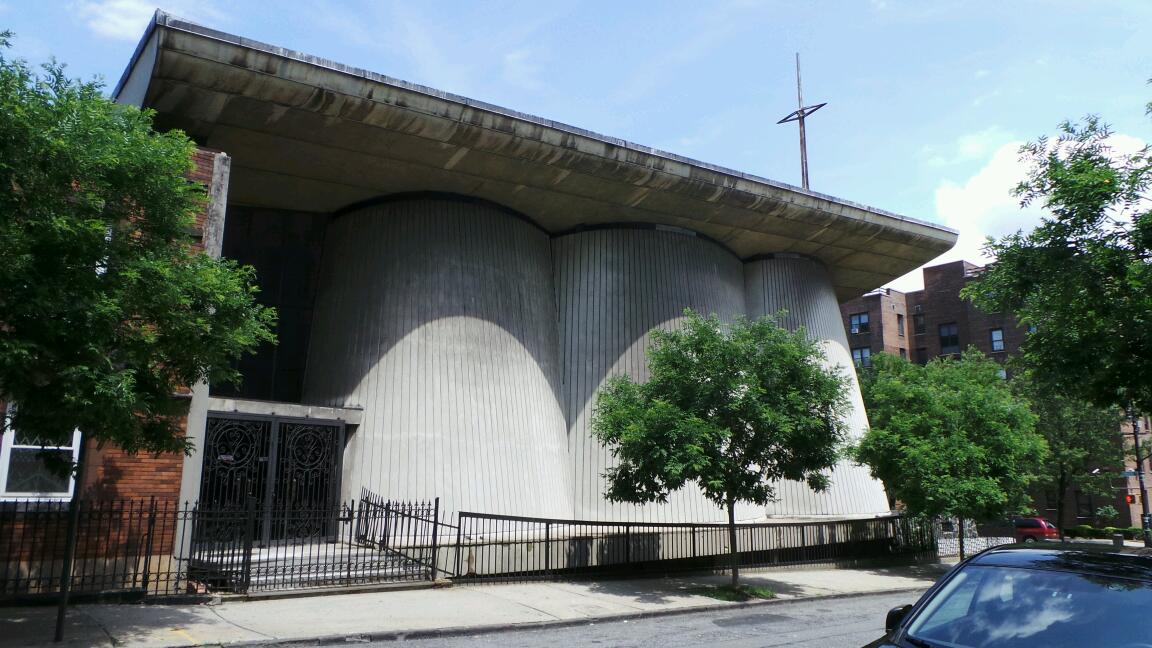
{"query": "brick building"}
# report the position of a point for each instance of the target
(928, 323)
(936, 321)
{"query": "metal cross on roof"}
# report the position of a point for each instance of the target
(798, 115)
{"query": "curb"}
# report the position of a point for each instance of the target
(458, 631)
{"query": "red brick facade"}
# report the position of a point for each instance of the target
(925, 312)
(112, 473)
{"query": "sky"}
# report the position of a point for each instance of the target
(928, 100)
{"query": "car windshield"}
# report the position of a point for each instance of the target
(1005, 607)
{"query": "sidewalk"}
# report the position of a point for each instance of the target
(428, 612)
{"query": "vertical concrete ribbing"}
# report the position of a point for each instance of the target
(801, 287)
(613, 287)
(438, 317)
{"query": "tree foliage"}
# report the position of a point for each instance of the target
(106, 310)
(732, 408)
(1081, 437)
(949, 439)
(1082, 278)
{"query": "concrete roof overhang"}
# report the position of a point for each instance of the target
(310, 134)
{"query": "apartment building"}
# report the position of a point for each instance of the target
(934, 322)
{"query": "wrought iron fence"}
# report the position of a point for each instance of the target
(150, 547)
(145, 547)
(123, 546)
(511, 547)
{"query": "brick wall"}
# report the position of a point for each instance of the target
(112, 473)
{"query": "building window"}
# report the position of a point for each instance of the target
(921, 355)
(862, 356)
(1003, 373)
(23, 473)
(899, 325)
(1031, 328)
(858, 323)
(918, 323)
(903, 353)
(949, 338)
(997, 337)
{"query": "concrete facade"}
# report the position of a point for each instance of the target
(469, 276)
(476, 344)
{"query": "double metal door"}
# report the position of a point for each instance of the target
(283, 472)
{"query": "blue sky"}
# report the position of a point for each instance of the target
(927, 100)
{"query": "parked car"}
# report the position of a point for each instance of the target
(1072, 595)
(1031, 529)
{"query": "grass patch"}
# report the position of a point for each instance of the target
(738, 593)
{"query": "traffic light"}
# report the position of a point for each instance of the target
(1132, 499)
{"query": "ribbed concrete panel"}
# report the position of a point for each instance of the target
(801, 287)
(437, 316)
(614, 286)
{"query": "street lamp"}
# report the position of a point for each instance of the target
(1146, 517)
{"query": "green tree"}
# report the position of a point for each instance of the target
(949, 439)
(1081, 438)
(1081, 279)
(732, 408)
(106, 310)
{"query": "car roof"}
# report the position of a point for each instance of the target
(1083, 558)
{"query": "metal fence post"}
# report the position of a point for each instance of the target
(149, 539)
(627, 544)
(435, 536)
(387, 520)
(459, 541)
(548, 547)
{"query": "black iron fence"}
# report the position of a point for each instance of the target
(511, 547)
(148, 547)
(121, 545)
(161, 548)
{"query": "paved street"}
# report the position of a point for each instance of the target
(820, 623)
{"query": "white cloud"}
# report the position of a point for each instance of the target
(126, 19)
(520, 69)
(983, 206)
(969, 147)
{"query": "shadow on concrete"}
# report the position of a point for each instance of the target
(100, 625)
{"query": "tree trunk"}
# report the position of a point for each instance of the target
(1062, 488)
(732, 542)
(960, 535)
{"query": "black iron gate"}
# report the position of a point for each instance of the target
(288, 469)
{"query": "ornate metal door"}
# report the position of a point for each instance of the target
(235, 462)
(291, 468)
(305, 493)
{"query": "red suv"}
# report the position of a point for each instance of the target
(1032, 529)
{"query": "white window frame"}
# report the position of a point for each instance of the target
(7, 443)
(993, 340)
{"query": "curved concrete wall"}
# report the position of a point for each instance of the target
(612, 287)
(437, 316)
(476, 345)
(801, 287)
